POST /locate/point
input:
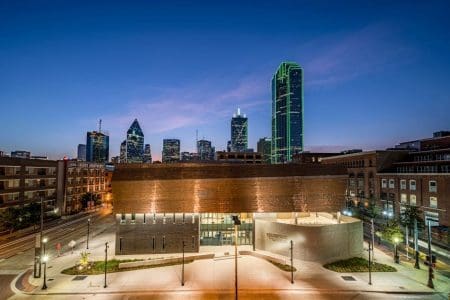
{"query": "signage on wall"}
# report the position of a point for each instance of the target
(275, 237)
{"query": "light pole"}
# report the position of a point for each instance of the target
(292, 262)
(182, 266)
(396, 258)
(416, 246)
(44, 260)
(372, 232)
(430, 266)
(106, 262)
(237, 222)
(370, 263)
(87, 237)
(44, 242)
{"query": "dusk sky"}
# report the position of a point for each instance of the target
(376, 73)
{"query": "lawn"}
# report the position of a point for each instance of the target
(283, 267)
(357, 264)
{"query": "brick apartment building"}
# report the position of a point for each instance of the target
(59, 184)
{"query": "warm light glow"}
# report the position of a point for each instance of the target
(396, 240)
(45, 240)
(45, 258)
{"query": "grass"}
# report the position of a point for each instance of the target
(98, 267)
(283, 267)
(357, 264)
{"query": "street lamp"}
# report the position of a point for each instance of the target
(430, 256)
(237, 222)
(44, 242)
(396, 257)
(292, 261)
(106, 262)
(182, 266)
(87, 238)
(44, 260)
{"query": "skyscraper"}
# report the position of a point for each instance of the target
(147, 154)
(123, 152)
(81, 153)
(171, 150)
(264, 146)
(287, 112)
(97, 147)
(239, 132)
(135, 143)
(205, 150)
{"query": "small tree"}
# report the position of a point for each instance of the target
(10, 218)
(410, 214)
(391, 232)
(85, 198)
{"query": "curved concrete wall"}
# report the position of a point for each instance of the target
(321, 243)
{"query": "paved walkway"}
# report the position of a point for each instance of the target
(216, 276)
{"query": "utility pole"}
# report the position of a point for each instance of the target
(106, 263)
(292, 261)
(41, 235)
(407, 241)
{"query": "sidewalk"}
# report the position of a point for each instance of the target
(217, 276)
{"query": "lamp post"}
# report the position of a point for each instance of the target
(396, 258)
(182, 265)
(87, 237)
(430, 265)
(44, 242)
(44, 260)
(237, 222)
(106, 263)
(292, 262)
(370, 262)
(416, 246)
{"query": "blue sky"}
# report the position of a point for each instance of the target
(376, 72)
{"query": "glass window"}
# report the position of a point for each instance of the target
(412, 200)
(391, 183)
(403, 184)
(432, 217)
(403, 198)
(412, 185)
(433, 202)
(122, 219)
(432, 186)
(384, 183)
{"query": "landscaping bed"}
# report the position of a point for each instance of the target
(98, 267)
(283, 267)
(357, 264)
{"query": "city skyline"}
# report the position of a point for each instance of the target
(371, 68)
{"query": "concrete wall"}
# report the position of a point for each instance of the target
(158, 234)
(322, 243)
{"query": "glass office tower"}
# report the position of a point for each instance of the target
(171, 150)
(239, 132)
(287, 112)
(135, 143)
(97, 147)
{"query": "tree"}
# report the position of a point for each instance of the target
(85, 198)
(391, 232)
(10, 218)
(410, 214)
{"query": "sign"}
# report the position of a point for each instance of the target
(275, 237)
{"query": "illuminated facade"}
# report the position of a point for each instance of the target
(287, 112)
(239, 132)
(171, 151)
(159, 206)
(97, 147)
(135, 143)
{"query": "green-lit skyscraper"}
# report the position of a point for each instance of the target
(287, 112)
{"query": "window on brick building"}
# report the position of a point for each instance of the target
(403, 198)
(433, 202)
(432, 186)
(412, 200)
(412, 185)
(384, 183)
(403, 184)
(391, 183)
